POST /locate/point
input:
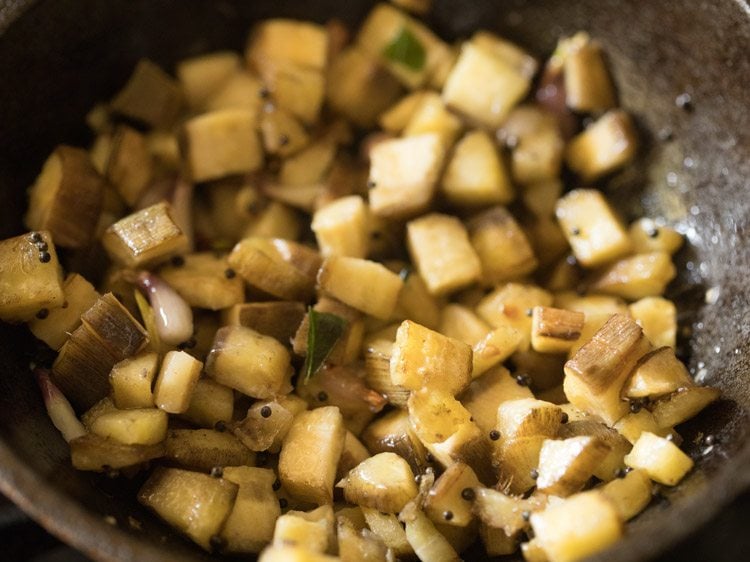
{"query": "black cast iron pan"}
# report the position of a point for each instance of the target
(57, 57)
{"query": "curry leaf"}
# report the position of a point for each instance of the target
(323, 332)
(407, 50)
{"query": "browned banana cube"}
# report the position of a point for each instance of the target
(554, 330)
(596, 374)
(66, 198)
(146, 237)
(31, 277)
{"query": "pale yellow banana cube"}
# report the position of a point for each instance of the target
(341, 228)
(658, 318)
(607, 145)
(404, 174)
(203, 75)
(475, 174)
(141, 426)
(576, 528)
(222, 143)
(177, 378)
(131, 381)
(440, 249)
(362, 284)
(483, 86)
(662, 460)
(245, 360)
(593, 230)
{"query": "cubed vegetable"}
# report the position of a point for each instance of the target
(341, 228)
(362, 284)
(310, 454)
(577, 528)
(204, 449)
(66, 198)
(383, 482)
(196, 504)
(554, 330)
(201, 76)
(594, 232)
(484, 86)
(502, 246)
(146, 237)
(404, 175)
(660, 458)
(30, 279)
(248, 361)
(595, 376)
(177, 378)
(250, 524)
(221, 143)
(637, 277)
(131, 381)
(54, 327)
(604, 147)
(440, 249)
(423, 358)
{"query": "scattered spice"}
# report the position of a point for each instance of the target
(265, 411)
(494, 435)
(468, 494)
(523, 379)
(217, 543)
(665, 134)
(622, 472)
(684, 101)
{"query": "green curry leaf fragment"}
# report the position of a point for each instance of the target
(324, 331)
(406, 49)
